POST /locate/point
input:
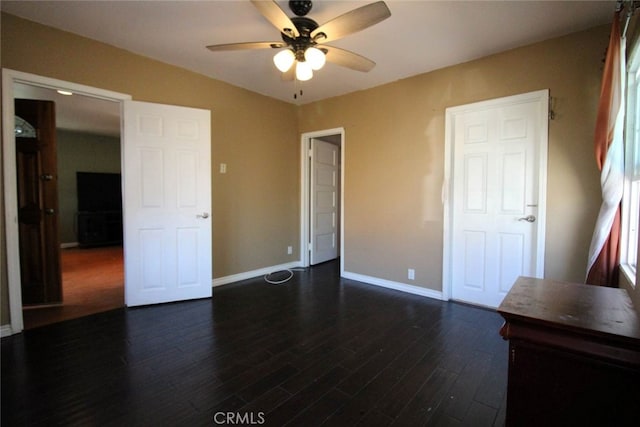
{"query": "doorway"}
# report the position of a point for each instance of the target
(185, 271)
(12, 80)
(322, 196)
(88, 216)
(495, 174)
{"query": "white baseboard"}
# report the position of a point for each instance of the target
(411, 289)
(69, 245)
(255, 273)
(5, 331)
(403, 287)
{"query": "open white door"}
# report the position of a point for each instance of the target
(325, 184)
(497, 195)
(167, 200)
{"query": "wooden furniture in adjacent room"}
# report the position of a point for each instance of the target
(99, 228)
(574, 355)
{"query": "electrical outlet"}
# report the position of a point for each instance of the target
(411, 274)
(289, 250)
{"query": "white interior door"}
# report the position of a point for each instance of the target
(325, 173)
(497, 196)
(167, 201)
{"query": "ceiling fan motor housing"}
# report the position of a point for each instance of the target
(299, 44)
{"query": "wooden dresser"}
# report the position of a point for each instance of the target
(574, 355)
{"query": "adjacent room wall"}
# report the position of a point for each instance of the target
(395, 156)
(80, 152)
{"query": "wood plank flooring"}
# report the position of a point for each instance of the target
(317, 350)
(92, 282)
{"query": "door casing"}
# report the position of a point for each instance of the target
(542, 96)
(305, 195)
(9, 78)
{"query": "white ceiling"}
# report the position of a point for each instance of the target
(420, 36)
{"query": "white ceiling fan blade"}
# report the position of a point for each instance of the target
(245, 46)
(351, 22)
(347, 59)
(277, 17)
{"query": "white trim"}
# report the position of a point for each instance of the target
(9, 77)
(403, 287)
(629, 274)
(447, 188)
(631, 145)
(542, 97)
(5, 331)
(69, 245)
(220, 281)
(305, 144)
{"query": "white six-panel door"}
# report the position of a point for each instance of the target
(167, 203)
(496, 202)
(325, 173)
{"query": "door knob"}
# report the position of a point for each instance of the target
(46, 177)
(530, 218)
(49, 211)
(203, 215)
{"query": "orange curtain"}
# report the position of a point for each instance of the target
(604, 257)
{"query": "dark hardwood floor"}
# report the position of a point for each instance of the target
(316, 350)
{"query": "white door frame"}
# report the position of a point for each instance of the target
(305, 196)
(542, 96)
(9, 78)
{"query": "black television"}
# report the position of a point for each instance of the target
(99, 192)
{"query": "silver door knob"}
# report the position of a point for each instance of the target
(530, 218)
(203, 215)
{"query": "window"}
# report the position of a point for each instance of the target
(631, 195)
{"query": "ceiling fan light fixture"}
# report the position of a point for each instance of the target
(303, 71)
(315, 57)
(284, 59)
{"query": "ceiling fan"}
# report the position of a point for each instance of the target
(303, 39)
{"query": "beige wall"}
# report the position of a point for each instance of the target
(255, 205)
(395, 154)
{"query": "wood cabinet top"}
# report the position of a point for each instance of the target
(592, 310)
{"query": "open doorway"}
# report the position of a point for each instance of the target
(188, 252)
(89, 212)
(322, 203)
